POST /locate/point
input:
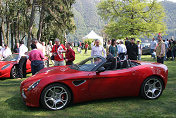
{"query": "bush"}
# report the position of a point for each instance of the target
(89, 41)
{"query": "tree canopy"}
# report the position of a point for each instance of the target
(132, 17)
(42, 19)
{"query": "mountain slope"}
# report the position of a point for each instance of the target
(87, 19)
(170, 9)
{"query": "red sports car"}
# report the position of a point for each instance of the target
(94, 78)
(9, 66)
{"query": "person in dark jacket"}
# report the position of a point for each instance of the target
(132, 50)
(127, 42)
(69, 55)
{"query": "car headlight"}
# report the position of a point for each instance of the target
(33, 85)
(6, 66)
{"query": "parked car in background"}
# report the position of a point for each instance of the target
(9, 66)
(145, 48)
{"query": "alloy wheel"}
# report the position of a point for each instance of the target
(153, 88)
(56, 97)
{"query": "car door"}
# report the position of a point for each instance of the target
(109, 84)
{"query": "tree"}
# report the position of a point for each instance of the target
(56, 19)
(18, 18)
(132, 17)
(31, 21)
(12, 22)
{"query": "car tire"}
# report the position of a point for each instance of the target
(55, 97)
(14, 72)
(152, 88)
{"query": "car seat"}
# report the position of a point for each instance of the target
(126, 64)
(111, 63)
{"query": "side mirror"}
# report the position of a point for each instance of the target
(101, 69)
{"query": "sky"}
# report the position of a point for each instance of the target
(168, 0)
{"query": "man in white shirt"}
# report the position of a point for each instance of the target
(6, 51)
(22, 59)
(98, 49)
(122, 50)
(153, 45)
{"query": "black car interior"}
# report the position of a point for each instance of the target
(115, 63)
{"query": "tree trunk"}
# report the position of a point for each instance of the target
(3, 31)
(0, 36)
(18, 26)
(11, 28)
(24, 26)
(39, 33)
(15, 32)
(7, 32)
(31, 23)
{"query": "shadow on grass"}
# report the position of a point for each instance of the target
(108, 100)
(135, 106)
(16, 103)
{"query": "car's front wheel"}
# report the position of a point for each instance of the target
(55, 97)
(14, 72)
(152, 88)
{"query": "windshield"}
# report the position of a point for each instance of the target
(88, 64)
(12, 57)
(145, 45)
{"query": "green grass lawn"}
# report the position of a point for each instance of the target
(11, 105)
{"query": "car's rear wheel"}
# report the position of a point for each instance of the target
(152, 88)
(55, 97)
(14, 72)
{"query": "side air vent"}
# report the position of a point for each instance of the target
(79, 82)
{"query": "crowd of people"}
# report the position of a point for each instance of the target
(123, 50)
(39, 52)
(168, 48)
(128, 49)
(131, 49)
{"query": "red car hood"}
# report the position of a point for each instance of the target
(51, 71)
(57, 70)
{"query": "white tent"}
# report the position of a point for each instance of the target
(93, 35)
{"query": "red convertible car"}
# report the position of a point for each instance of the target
(94, 78)
(9, 66)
